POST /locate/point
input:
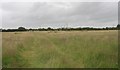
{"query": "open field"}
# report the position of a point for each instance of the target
(62, 49)
(0, 50)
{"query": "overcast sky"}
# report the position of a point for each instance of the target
(59, 14)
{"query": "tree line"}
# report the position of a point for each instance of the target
(60, 29)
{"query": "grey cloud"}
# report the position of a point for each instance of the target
(58, 14)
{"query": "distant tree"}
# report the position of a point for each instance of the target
(0, 29)
(21, 29)
(30, 29)
(118, 26)
(49, 28)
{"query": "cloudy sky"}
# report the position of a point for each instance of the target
(59, 14)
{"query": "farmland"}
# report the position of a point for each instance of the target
(60, 49)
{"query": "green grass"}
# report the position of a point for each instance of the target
(0, 50)
(62, 49)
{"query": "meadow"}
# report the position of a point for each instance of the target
(60, 49)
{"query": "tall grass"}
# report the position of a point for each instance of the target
(0, 50)
(63, 49)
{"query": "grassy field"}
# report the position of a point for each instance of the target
(0, 50)
(62, 49)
